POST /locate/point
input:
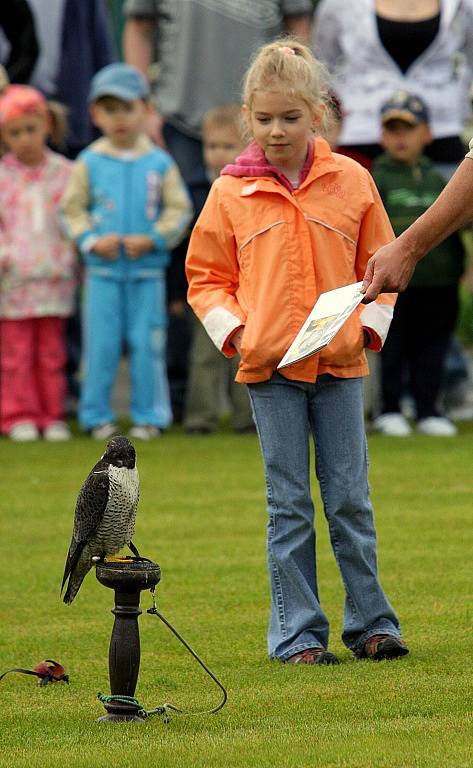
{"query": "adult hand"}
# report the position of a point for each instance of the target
(154, 128)
(177, 308)
(389, 270)
(107, 247)
(137, 245)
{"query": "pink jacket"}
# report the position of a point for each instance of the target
(38, 266)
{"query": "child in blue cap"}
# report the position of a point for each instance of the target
(126, 207)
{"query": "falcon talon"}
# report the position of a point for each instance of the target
(105, 513)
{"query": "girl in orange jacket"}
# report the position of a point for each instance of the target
(288, 221)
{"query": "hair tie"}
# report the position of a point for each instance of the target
(286, 49)
(19, 100)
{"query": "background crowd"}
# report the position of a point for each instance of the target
(399, 81)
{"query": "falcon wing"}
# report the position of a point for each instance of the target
(90, 508)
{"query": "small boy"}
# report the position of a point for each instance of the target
(209, 369)
(425, 314)
(126, 206)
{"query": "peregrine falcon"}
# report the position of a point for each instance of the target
(104, 519)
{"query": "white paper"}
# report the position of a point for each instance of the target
(329, 313)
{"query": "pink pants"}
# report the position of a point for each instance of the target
(32, 376)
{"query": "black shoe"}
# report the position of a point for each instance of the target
(313, 656)
(379, 647)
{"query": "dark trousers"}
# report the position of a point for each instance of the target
(416, 346)
(187, 152)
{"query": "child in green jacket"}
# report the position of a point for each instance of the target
(425, 314)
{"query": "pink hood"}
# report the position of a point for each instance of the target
(253, 162)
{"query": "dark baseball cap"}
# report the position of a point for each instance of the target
(406, 107)
(120, 80)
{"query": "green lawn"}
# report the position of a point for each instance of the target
(202, 518)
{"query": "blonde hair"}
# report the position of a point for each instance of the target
(224, 116)
(287, 65)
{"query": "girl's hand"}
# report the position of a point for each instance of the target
(235, 341)
(137, 245)
(107, 247)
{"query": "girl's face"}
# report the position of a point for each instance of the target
(26, 137)
(282, 126)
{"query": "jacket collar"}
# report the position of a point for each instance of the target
(385, 161)
(104, 146)
(253, 165)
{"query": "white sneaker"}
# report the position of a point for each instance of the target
(144, 432)
(57, 432)
(104, 431)
(436, 426)
(25, 432)
(392, 424)
(461, 412)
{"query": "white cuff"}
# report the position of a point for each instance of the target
(219, 324)
(377, 317)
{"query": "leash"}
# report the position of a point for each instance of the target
(164, 710)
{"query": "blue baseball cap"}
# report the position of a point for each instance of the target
(120, 80)
(406, 107)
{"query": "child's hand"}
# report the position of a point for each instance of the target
(235, 341)
(107, 247)
(137, 245)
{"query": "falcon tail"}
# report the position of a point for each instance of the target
(77, 566)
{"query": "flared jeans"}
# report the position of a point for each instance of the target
(287, 413)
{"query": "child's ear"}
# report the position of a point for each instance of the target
(318, 116)
(428, 138)
(93, 111)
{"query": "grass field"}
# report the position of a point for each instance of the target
(202, 518)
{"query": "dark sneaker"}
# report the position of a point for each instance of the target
(379, 647)
(313, 656)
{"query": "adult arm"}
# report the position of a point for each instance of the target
(138, 49)
(297, 18)
(299, 26)
(327, 32)
(138, 35)
(391, 267)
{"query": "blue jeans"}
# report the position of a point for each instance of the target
(286, 413)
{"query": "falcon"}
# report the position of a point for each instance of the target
(104, 519)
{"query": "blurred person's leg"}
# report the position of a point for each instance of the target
(393, 355)
(50, 363)
(206, 370)
(102, 329)
(432, 320)
(242, 415)
(19, 395)
(146, 339)
(187, 152)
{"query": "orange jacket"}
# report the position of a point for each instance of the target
(260, 256)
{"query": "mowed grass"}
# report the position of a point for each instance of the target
(202, 518)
